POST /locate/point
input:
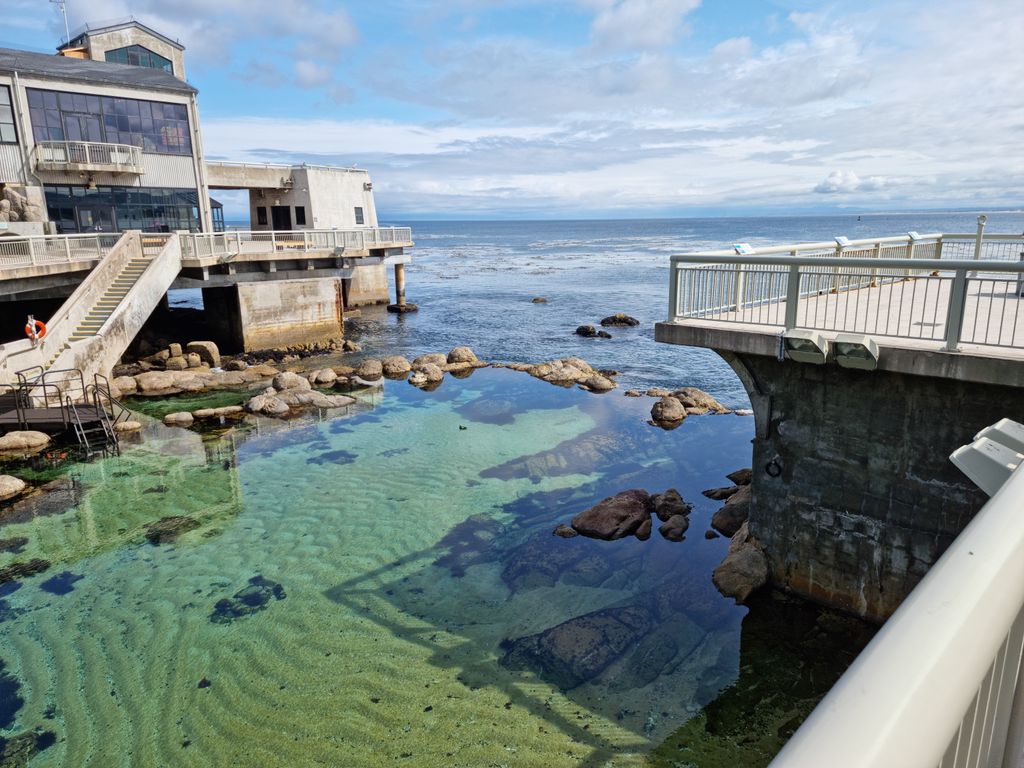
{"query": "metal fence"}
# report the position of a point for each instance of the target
(234, 243)
(902, 287)
(30, 251)
(940, 684)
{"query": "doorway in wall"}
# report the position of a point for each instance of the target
(281, 217)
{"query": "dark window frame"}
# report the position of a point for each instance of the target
(359, 215)
(140, 53)
(261, 215)
(300, 215)
(13, 122)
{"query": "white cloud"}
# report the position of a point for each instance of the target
(634, 24)
(845, 182)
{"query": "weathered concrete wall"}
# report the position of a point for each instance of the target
(369, 285)
(328, 196)
(99, 43)
(866, 499)
(286, 312)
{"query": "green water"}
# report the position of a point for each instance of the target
(358, 585)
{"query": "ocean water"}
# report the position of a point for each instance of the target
(381, 585)
(474, 282)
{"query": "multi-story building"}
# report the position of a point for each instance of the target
(103, 136)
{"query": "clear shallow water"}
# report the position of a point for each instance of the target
(359, 586)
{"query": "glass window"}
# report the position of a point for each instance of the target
(261, 215)
(154, 126)
(139, 56)
(359, 215)
(152, 209)
(8, 135)
(300, 215)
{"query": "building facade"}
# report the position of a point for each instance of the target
(103, 136)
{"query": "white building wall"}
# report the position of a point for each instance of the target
(329, 197)
(11, 162)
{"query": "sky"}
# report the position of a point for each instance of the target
(499, 109)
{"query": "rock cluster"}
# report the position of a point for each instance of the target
(248, 600)
(590, 332)
(673, 407)
(21, 570)
(729, 518)
(620, 320)
(167, 529)
(628, 513)
(567, 372)
(290, 390)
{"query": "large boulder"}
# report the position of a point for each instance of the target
(744, 569)
(741, 476)
(615, 517)
(734, 514)
(426, 375)
(126, 385)
(127, 426)
(23, 440)
(235, 365)
(288, 380)
(325, 377)
(431, 358)
(155, 382)
(270, 405)
(598, 383)
(370, 370)
(396, 366)
(179, 419)
(697, 401)
(668, 412)
(461, 355)
(11, 486)
(207, 351)
(620, 320)
(674, 528)
(176, 363)
(311, 397)
(669, 504)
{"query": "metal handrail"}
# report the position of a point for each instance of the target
(940, 683)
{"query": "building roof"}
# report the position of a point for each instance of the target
(89, 71)
(86, 31)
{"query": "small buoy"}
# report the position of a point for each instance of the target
(36, 329)
(461, 427)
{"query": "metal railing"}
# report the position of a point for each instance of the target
(903, 288)
(37, 250)
(94, 155)
(231, 244)
(940, 684)
(285, 166)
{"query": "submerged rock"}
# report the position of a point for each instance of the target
(615, 517)
(579, 649)
(590, 332)
(698, 402)
(270, 405)
(179, 419)
(620, 320)
(16, 751)
(539, 300)
(16, 571)
(564, 531)
(674, 528)
(250, 599)
(167, 529)
(744, 569)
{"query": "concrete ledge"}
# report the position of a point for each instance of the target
(983, 365)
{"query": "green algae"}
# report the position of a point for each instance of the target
(791, 653)
(158, 407)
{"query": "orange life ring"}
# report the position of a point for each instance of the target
(40, 329)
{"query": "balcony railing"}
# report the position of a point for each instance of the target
(228, 245)
(42, 250)
(925, 288)
(88, 156)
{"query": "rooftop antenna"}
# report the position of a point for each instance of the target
(64, 12)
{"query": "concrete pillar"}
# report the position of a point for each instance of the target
(400, 284)
(283, 313)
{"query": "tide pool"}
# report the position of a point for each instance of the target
(381, 585)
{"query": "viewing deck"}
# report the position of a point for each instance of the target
(925, 301)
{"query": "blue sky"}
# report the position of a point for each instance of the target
(579, 108)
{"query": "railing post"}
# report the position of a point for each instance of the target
(980, 236)
(874, 272)
(31, 251)
(792, 296)
(305, 240)
(673, 291)
(955, 313)
(67, 248)
(273, 240)
(910, 255)
(737, 296)
(835, 270)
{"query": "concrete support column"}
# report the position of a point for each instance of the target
(400, 284)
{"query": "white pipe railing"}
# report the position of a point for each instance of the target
(944, 300)
(228, 245)
(37, 250)
(99, 155)
(940, 684)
